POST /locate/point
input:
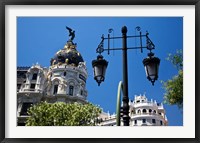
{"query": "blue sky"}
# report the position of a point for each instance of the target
(39, 38)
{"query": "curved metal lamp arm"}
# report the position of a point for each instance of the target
(120, 88)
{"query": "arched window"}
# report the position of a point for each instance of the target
(71, 90)
(144, 111)
(55, 86)
(150, 110)
(139, 111)
(55, 89)
(132, 112)
(154, 111)
(34, 77)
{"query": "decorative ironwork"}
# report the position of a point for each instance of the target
(100, 48)
(138, 28)
(149, 44)
(110, 30)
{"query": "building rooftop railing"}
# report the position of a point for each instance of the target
(146, 104)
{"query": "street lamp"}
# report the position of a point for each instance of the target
(151, 64)
(99, 66)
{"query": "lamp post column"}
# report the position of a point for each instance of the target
(125, 99)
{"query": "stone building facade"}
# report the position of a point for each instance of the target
(64, 80)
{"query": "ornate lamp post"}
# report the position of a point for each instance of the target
(151, 64)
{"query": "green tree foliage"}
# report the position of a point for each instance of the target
(176, 59)
(62, 114)
(174, 86)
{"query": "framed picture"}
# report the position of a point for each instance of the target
(68, 35)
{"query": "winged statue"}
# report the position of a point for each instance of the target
(71, 33)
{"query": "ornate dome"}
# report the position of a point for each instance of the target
(68, 55)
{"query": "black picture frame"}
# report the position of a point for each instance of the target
(3, 4)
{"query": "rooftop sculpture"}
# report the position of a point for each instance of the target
(71, 33)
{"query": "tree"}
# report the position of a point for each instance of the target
(62, 114)
(174, 86)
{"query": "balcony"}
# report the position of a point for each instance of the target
(32, 90)
(147, 104)
(141, 104)
(145, 115)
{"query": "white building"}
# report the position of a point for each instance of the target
(142, 113)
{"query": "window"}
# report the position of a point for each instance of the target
(55, 90)
(139, 111)
(144, 110)
(18, 86)
(153, 121)
(154, 111)
(34, 76)
(150, 110)
(81, 92)
(161, 123)
(138, 101)
(32, 86)
(132, 112)
(71, 88)
(143, 120)
(25, 107)
(64, 73)
(135, 122)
